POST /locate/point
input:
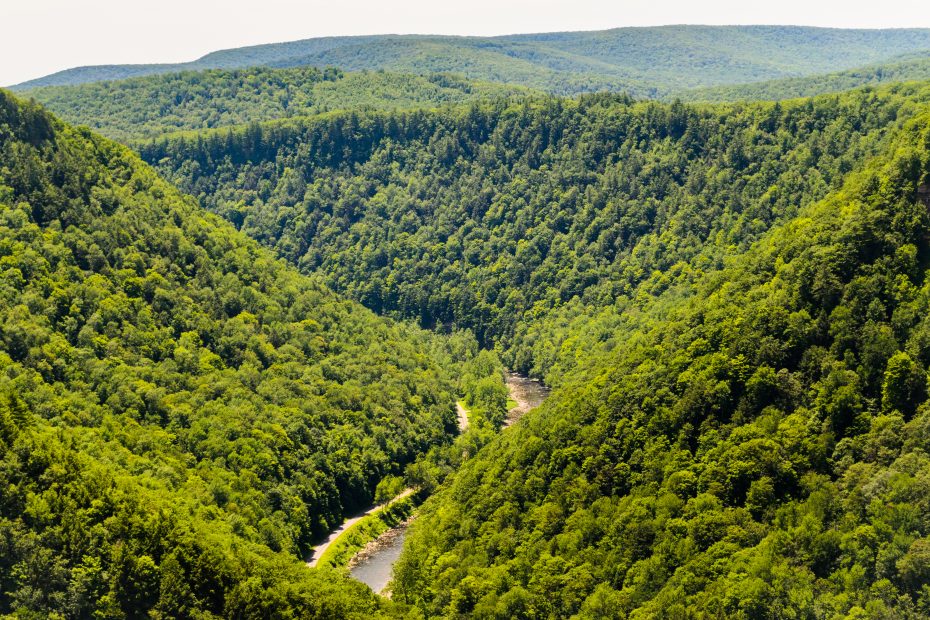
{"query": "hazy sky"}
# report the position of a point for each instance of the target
(42, 36)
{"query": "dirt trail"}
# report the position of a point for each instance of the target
(463, 416)
(320, 549)
(527, 393)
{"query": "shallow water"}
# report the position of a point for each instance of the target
(528, 394)
(375, 571)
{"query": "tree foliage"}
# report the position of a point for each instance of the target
(731, 301)
(908, 68)
(145, 107)
(518, 220)
(181, 415)
(755, 447)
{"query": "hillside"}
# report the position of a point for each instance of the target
(271, 316)
(911, 68)
(642, 61)
(755, 444)
(730, 301)
(511, 219)
(144, 107)
(181, 415)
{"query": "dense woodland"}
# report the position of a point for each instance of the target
(509, 219)
(138, 109)
(730, 300)
(145, 107)
(910, 68)
(181, 415)
(754, 446)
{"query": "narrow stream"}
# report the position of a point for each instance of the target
(375, 569)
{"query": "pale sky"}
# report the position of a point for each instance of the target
(38, 37)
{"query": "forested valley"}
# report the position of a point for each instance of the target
(750, 444)
(730, 301)
(268, 309)
(181, 414)
(514, 219)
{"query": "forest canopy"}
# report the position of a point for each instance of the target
(146, 107)
(752, 443)
(730, 301)
(510, 219)
(181, 414)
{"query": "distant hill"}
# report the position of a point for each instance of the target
(910, 68)
(643, 61)
(148, 106)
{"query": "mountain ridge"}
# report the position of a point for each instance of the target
(638, 58)
(912, 67)
(145, 107)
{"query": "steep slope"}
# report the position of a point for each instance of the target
(513, 220)
(755, 444)
(643, 61)
(911, 68)
(181, 415)
(146, 107)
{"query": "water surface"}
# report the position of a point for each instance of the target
(527, 393)
(375, 570)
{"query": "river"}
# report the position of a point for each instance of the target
(375, 568)
(527, 393)
(321, 548)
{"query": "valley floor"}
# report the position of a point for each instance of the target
(320, 549)
(373, 563)
(527, 393)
